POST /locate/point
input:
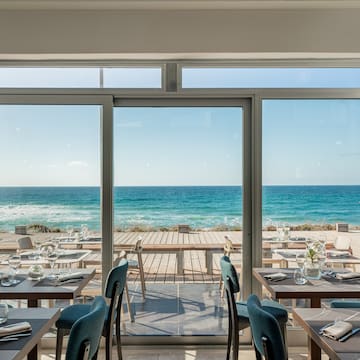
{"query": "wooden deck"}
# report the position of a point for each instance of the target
(158, 266)
(162, 267)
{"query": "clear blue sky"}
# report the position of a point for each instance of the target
(304, 142)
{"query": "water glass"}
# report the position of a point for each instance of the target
(51, 258)
(299, 276)
(4, 310)
(14, 262)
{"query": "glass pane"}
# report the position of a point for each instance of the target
(50, 182)
(178, 176)
(49, 77)
(132, 78)
(270, 78)
(311, 186)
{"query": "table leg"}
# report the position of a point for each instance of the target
(208, 261)
(180, 262)
(33, 303)
(33, 354)
(314, 349)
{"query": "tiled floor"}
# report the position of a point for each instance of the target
(183, 353)
(177, 310)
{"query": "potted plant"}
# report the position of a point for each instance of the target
(315, 254)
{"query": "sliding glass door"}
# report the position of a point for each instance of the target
(178, 186)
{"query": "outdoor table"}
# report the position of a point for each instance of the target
(315, 290)
(332, 257)
(41, 320)
(178, 249)
(311, 320)
(66, 257)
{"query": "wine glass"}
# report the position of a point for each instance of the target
(84, 231)
(14, 262)
(69, 230)
(51, 257)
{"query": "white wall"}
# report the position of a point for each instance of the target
(179, 34)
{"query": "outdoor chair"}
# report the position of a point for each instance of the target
(343, 243)
(136, 264)
(228, 249)
(267, 335)
(86, 331)
(114, 289)
(25, 243)
(238, 318)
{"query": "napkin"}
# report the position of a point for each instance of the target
(70, 276)
(339, 329)
(348, 276)
(275, 276)
(15, 328)
(340, 254)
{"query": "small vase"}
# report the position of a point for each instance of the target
(36, 272)
(312, 270)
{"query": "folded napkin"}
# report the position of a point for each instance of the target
(348, 276)
(337, 330)
(70, 276)
(340, 254)
(275, 276)
(15, 328)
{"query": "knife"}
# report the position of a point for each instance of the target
(351, 333)
(15, 336)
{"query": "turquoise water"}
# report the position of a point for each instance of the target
(198, 206)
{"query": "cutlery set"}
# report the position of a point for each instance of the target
(14, 336)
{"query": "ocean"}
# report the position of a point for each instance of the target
(167, 206)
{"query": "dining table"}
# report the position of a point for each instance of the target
(334, 258)
(65, 258)
(314, 320)
(40, 319)
(45, 289)
(328, 287)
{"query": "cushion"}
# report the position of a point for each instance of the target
(72, 313)
(272, 307)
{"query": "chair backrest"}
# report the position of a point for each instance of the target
(86, 332)
(228, 247)
(266, 332)
(342, 243)
(138, 246)
(229, 275)
(116, 278)
(114, 289)
(25, 243)
(232, 286)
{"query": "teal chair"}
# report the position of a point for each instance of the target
(266, 332)
(84, 344)
(345, 304)
(238, 312)
(114, 289)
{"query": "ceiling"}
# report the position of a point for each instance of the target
(175, 4)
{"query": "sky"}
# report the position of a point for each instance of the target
(305, 142)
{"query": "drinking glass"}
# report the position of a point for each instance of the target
(51, 257)
(300, 260)
(84, 231)
(299, 276)
(4, 310)
(69, 230)
(14, 262)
